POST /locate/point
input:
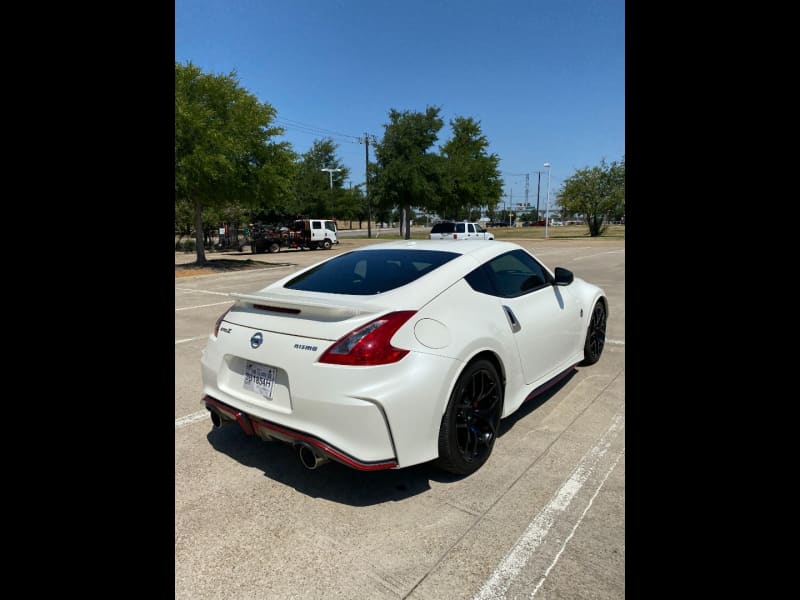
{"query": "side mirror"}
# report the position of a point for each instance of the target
(563, 276)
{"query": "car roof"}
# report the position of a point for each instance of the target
(478, 249)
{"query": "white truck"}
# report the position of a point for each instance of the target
(459, 230)
(320, 233)
(303, 234)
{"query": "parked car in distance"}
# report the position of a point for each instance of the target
(400, 353)
(459, 230)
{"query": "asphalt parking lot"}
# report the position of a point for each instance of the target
(543, 518)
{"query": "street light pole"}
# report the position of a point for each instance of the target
(330, 174)
(547, 208)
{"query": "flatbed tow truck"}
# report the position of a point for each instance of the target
(303, 234)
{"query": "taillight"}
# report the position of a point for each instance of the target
(219, 322)
(369, 344)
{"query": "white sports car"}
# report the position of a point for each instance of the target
(399, 353)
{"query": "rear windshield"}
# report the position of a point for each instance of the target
(369, 272)
(443, 228)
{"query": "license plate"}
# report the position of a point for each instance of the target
(259, 378)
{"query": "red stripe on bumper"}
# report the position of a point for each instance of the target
(249, 423)
(236, 415)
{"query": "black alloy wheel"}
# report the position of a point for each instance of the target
(470, 423)
(595, 335)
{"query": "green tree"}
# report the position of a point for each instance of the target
(596, 193)
(471, 175)
(223, 149)
(406, 174)
(315, 198)
(349, 204)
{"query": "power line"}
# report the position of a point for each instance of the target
(300, 123)
(315, 130)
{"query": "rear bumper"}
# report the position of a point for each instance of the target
(268, 430)
(386, 415)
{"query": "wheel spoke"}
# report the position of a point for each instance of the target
(487, 394)
(471, 442)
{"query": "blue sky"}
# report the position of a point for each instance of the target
(546, 80)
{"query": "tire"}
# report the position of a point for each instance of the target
(273, 247)
(470, 423)
(326, 244)
(595, 335)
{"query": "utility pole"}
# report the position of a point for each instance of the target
(547, 209)
(538, 186)
(366, 140)
(527, 180)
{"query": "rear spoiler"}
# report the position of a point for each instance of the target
(311, 308)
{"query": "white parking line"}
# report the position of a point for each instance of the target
(599, 254)
(192, 418)
(516, 559)
(201, 291)
(617, 342)
(575, 528)
(203, 305)
(199, 337)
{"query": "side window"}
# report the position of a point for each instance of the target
(471, 228)
(316, 225)
(330, 225)
(479, 229)
(459, 227)
(516, 273)
(480, 280)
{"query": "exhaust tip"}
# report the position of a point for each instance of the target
(216, 419)
(310, 459)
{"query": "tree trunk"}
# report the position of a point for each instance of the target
(407, 221)
(595, 222)
(199, 233)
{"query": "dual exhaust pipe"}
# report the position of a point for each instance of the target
(309, 457)
(217, 420)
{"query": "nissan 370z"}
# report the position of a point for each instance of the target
(400, 353)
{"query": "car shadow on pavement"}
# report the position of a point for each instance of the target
(338, 483)
(332, 481)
